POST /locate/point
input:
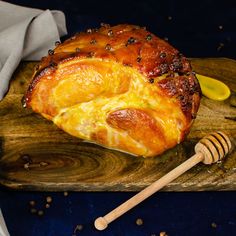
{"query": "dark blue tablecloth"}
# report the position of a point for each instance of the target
(197, 29)
(183, 214)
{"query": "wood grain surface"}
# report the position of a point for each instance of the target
(36, 155)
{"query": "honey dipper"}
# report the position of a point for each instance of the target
(210, 149)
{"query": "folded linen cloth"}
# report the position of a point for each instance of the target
(3, 227)
(25, 34)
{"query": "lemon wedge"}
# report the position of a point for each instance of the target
(212, 88)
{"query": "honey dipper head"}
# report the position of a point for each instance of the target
(214, 147)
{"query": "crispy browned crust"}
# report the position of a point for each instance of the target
(130, 46)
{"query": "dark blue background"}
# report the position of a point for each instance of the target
(195, 29)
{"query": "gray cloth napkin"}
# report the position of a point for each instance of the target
(25, 34)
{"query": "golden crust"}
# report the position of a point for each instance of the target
(121, 87)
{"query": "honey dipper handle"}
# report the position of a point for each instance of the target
(102, 222)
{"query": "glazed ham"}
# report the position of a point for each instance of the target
(120, 87)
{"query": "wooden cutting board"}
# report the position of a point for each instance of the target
(36, 155)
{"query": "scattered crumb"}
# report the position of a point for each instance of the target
(139, 221)
(65, 193)
(163, 233)
(32, 203)
(169, 17)
(213, 225)
(47, 205)
(77, 228)
(220, 27)
(33, 210)
(26, 166)
(166, 39)
(49, 199)
(42, 163)
(40, 212)
(221, 45)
